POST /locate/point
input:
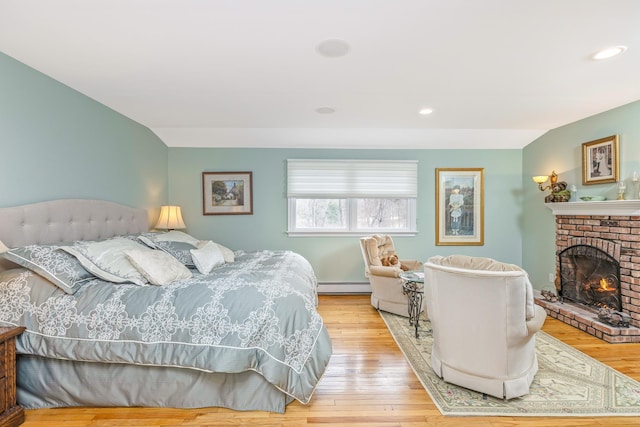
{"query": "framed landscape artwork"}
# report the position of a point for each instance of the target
(227, 193)
(460, 207)
(600, 161)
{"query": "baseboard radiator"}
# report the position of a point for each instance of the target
(344, 288)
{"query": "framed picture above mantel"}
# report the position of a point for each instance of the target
(601, 161)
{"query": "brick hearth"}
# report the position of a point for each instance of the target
(613, 227)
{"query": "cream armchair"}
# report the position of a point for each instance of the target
(484, 322)
(386, 285)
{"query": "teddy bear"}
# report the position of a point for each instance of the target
(393, 261)
(559, 193)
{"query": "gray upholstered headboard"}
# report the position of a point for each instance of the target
(67, 220)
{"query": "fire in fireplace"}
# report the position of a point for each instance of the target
(590, 276)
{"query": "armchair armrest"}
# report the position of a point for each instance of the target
(536, 322)
(384, 271)
(411, 264)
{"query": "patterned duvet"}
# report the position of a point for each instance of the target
(255, 314)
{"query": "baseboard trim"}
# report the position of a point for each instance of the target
(343, 288)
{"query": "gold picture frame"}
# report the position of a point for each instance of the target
(460, 206)
(601, 161)
(227, 193)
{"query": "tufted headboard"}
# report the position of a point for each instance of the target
(67, 220)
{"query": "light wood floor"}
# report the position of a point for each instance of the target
(368, 383)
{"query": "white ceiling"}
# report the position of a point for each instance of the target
(211, 73)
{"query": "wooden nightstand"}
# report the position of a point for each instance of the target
(11, 414)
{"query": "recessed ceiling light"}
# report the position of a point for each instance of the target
(425, 111)
(333, 48)
(609, 52)
(325, 110)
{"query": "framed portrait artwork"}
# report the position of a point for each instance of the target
(600, 161)
(460, 207)
(227, 193)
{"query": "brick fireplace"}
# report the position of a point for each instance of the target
(613, 227)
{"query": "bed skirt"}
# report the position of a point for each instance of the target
(49, 383)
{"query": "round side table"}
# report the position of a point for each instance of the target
(413, 288)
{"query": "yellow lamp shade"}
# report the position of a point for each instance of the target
(539, 179)
(170, 218)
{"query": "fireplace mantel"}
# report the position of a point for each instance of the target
(607, 207)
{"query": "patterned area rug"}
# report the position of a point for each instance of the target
(568, 381)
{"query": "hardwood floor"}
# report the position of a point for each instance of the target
(368, 383)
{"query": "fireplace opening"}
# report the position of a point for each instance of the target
(590, 276)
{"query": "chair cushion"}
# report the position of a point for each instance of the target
(474, 263)
(378, 247)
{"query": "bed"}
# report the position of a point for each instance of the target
(244, 336)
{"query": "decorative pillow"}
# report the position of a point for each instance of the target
(158, 267)
(55, 265)
(179, 249)
(227, 253)
(176, 236)
(107, 259)
(207, 257)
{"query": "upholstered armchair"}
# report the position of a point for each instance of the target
(386, 285)
(484, 322)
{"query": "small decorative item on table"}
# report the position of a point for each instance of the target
(413, 288)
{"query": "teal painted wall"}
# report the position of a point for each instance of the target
(561, 150)
(338, 259)
(58, 143)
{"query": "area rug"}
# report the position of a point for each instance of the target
(568, 382)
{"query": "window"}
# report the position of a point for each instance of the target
(351, 196)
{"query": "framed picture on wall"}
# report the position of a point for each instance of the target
(460, 207)
(227, 193)
(600, 161)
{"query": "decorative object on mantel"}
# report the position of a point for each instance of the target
(621, 189)
(574, 192)
(600, 161)
(593, 198)
(635, 178)
(614, 318)
(559, 192)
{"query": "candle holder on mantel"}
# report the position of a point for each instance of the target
(635, 178)
(621, 189)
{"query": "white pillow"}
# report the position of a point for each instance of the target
(106, 259)
(158, 267)
(207, 257)
(227, 253)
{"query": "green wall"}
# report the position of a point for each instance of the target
(338, 259)
(561, 150)
(58, 143)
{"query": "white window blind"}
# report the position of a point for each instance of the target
(352, 178)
